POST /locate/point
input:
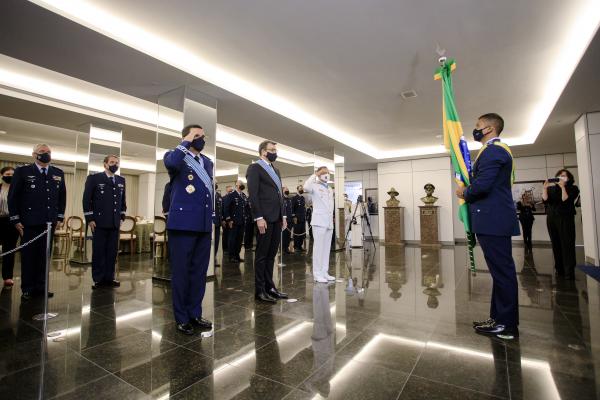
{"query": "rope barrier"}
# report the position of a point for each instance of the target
(24, 244)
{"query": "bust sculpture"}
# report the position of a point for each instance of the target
(429, 199)
(393, 202)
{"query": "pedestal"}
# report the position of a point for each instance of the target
(429, 226)
(394, 225)
(341, 228)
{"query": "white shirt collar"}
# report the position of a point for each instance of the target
(492, 140)
(40, 168)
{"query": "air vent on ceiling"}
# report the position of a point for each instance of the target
(408, 94)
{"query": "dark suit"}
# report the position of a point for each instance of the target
(218, 219)
(494, 221)
(104, 203)
(234, 210)
(250, 225)
(286, 237)
(8, 239)
(34, 200)
(189, 225)
(299, 212)
(267, 203)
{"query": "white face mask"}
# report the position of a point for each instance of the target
(324, 178)
(564, 179)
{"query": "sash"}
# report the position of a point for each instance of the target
(505, 147)
(271, 171)
(198, 168)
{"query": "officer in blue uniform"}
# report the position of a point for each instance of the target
(286, 235)
(217, 221)
(494, 221)
(234, 211)
(189, 226)
(299, 218)
(37, 195)
(226, 230)
(104, 208)
(250, 225)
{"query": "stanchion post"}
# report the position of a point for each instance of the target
(46, 315)
(281, 263)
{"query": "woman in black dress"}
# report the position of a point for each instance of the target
(560, 202)
(525, 208)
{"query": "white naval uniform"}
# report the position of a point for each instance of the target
(322, 224)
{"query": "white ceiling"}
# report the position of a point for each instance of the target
(339, 66)
(345, 62)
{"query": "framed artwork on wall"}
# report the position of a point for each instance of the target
(371, 201)
(534, 189)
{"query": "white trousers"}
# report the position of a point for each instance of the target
(321, 249)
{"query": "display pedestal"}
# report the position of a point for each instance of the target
(429, 226)
(394, 225)
(341, 229)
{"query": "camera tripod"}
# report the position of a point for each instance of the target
(365, 215)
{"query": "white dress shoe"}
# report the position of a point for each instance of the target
(320, 279)
(330, 278)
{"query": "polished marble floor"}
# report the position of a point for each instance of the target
(396, 325)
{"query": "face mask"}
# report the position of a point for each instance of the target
(478, 134)
(242, 187)
(564, 179)
(300, 191)
(324, 178)
(7, 179)
(113, 168)
(198, 143)
(287, 192)
(43, 157)
(271, 156)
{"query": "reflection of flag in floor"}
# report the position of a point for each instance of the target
(456, 144)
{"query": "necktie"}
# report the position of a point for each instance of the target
(44, 172)
(112, 180)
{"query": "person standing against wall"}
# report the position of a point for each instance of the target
(560, 198)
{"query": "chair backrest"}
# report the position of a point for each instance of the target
(128, 225)
(160, 225)
(139, 218)
(75, 224)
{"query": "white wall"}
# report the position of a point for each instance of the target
(367, 177)
(146, 193)
(409, 177)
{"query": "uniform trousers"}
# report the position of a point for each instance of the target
(8, 239)
(105, 246)
(33, 259)
(249, 235)
(236, 238)
(189, 258)
(226, 238)
(497, 251)
(217, 237)
(286, 238)
(527, 227)
(267, 245)
(561, 229)
(321, 250)
(299, 234)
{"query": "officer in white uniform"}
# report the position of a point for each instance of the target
(322, 222)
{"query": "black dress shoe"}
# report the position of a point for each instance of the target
(265, 297)
(96, 285)
(114, 283)
(240, 260)
(277, 294)
(26, 296)
(201, 323)
(186, 329)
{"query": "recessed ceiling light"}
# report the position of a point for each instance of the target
(408, 94)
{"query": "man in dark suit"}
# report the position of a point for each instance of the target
(37, 195)
(250, 225)
(228, 190)
(299, 215)
(104, 208)
(264, 187)
(234, 211)
(494, 221)
(190, 226)
(286, 236)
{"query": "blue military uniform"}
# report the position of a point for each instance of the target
(104, 203)
(286, 235)
(494, 221)
(299, 212)
(189, 227)
(36, 196)
(218, 219)
(250, 225)
(234, 209)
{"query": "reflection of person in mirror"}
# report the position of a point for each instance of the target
(8, 233)
(104, 209)
(525, 208)
(190, 226)
(322, 222)
(37, 195)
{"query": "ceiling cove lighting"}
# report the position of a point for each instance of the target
(578, 32)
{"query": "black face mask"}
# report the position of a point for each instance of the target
(43, 157)
(113, 168)
(287, 192)
(198, 143)
(242, 187)
(478, 134)
(271, 156)
(300, 191)
(7, 179)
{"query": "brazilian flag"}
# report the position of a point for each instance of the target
(457, 146)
